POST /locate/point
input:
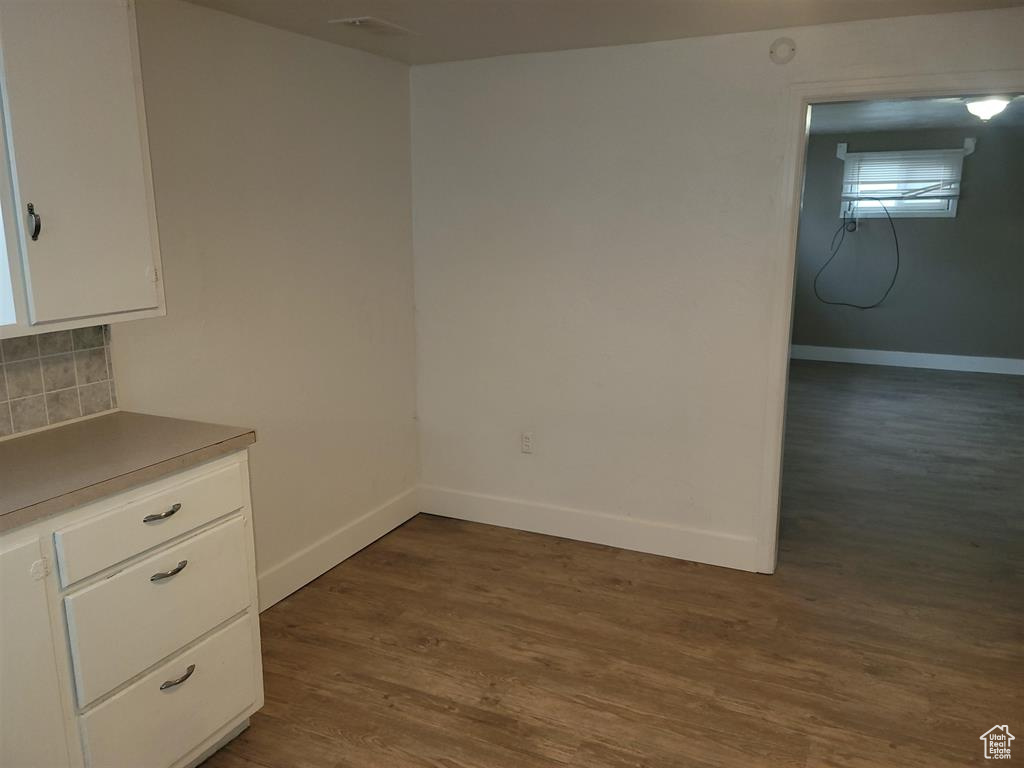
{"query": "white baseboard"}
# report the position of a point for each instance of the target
(1005, 365)
(282, 579)
(597, 527)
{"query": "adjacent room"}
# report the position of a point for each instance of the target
(908, 328)
(511, 384)
(903, 478)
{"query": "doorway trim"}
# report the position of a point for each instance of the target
(801, 96)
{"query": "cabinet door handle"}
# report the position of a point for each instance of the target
(35, 222)
(158, 516)
(167, 574)
(178, 680)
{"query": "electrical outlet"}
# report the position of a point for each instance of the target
(526, 442)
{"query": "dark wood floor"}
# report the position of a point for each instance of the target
(891, 634)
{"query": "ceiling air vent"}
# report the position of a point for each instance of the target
(372, 25)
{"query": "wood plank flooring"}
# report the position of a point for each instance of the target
(891, 634)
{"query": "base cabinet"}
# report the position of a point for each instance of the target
(115, 655)
(31, 715)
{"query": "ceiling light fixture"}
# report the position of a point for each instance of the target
(986, 109)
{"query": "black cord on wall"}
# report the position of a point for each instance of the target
(849, 225)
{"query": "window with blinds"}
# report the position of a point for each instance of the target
(914, 183)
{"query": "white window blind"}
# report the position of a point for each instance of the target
(913, 183)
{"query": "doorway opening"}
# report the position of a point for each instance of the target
(903, 462)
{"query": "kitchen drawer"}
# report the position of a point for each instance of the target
(145, 726)
(120, 626)
(106, 539)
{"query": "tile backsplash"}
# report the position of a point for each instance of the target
(54, 377)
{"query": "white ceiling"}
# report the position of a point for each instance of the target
(449, 30)
(905, 114)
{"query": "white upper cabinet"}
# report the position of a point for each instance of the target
(77, 153)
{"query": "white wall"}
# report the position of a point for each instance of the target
(281, 168)
(596, 236)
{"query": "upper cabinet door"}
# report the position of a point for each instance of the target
(79, 155)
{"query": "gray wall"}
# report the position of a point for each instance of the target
(960, 289)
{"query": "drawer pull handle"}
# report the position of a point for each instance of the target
(167, 574)
(178, 681)
(155, 518)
